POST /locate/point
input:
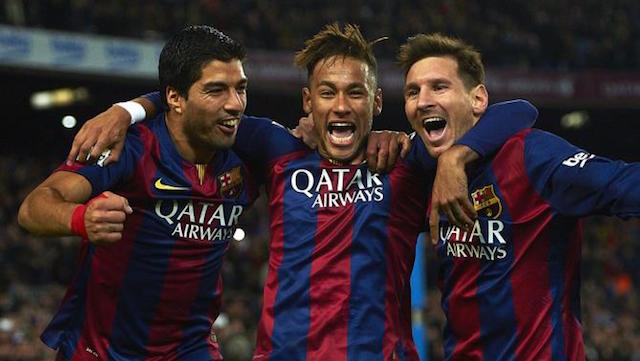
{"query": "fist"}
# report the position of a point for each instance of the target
(105, 216)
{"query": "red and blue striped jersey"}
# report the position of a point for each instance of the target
(511, 285)
(342, 246)
(155, 293)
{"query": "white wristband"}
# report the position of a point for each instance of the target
(135, 110)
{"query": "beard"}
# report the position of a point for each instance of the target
(206, 137)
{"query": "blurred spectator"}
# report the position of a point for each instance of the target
(524, 34)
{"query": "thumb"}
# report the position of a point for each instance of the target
(127, 207)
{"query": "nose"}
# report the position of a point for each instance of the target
(425, 100)
(341, 106)
(236, 102)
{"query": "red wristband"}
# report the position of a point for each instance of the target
(77, 217)
(77, 221)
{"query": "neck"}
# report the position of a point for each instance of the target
(357, 159)
(184, 144)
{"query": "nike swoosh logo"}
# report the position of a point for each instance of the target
(165, 187)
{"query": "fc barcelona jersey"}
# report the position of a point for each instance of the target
(342, 245)
(154, 294)
(511, 284)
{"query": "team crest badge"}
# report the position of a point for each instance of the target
(486, 202)
(231, 182)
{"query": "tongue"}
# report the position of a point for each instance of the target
(341, 133)
(436, 133)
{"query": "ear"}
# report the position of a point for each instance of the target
(306, 100)
(377, 102)
(479, 99)
(173, 100)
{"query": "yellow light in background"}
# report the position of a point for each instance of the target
(58, 97)
(575, 120)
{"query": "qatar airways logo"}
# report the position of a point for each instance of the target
(338, 187)
(474, 243)
(199, 220)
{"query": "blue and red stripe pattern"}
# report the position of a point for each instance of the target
(155, 293)
(341, 251)
(511, 284)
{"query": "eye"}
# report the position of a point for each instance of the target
(411, 92)
(440, 86)
(357, 93)
(215, 90)
(241, 89)
(326, 93)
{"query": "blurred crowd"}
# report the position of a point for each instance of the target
(34, 273)
(547, 34)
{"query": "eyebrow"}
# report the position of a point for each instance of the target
(349, 86)
(213, 84)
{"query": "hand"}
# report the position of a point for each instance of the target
(107, 129)
(104, 218)
(304, 131)
(383, 148)
(450, 194)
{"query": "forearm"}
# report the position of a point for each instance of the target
(54, 219)
(458, 155)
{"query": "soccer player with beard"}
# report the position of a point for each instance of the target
(343, 238)
(159, 221)
(511, 284)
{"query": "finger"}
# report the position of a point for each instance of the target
(73, 153)
(127, 207)
(85, 150)
(372, 154)
(393, 155)
(468, 208)
(405, 143)
(383, 158)
(99, 147)
(462, 220)
(115, 153)
(434, 220)
(112, 216)
(448, 211)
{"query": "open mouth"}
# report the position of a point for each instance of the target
(341, 133)
(229, 125)
(434, 126)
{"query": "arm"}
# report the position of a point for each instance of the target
(49, 210)
(108, 129)
(450, 195)
(577, 183)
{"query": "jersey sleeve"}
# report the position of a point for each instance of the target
(156, 99)
(578, 183)
(260, 140)
(419, 158)
(497, 124)
(111, 176)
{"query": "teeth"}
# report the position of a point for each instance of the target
(339, 124)
(433, 119)
(230, 122)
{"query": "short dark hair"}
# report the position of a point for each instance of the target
(188, 51)
(334, 41)
(470, 67)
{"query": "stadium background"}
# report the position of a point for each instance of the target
(578, 61)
